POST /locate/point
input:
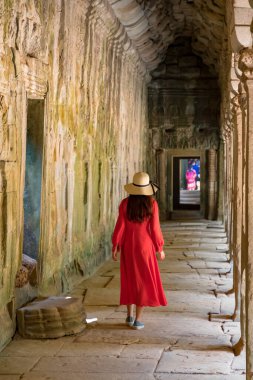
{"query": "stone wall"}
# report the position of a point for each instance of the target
(77, 56)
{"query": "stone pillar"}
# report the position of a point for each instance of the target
(243, 105)
(246, 65)
(221, 182)
(162, 181)
(237, 204)
(230, 187)
(212, 184)
(227, 181)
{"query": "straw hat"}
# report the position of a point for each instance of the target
(141, 185)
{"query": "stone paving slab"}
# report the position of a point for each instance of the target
(184, 324)
(178, 231)
(90, 349)
(91, 364)
(126, 335)
(93, 282)
(231, 327)
(99, 312)
(205, 255)
(239, 362)
(103, 296)
(203, 342)
(17, 365)
(47, 375)
(114, 283)
(142, 351)
(29, 348)
(191, 361)
(198, 377)
(190, 301)
(227, 305)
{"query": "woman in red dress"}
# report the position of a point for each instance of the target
(138, 237)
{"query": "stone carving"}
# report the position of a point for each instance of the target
(52, 317)
(7, 130)
(27, 272)
(22, 277)
(25, 29)
(246, 63)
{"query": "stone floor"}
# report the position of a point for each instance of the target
(178, 342)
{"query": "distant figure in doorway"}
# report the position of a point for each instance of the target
(196, 167)
(190, 178)
(138, 237)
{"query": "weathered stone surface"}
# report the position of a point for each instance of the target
(31, 265)
(88, 376)
(31, 348)
(22, 277)
(90, 364)
(142, 351)
(90, 76)
(52, 317)
(239, 362)
(90, 349)
(178, 361)
(198, 377)
(104, 296)
(16, 365)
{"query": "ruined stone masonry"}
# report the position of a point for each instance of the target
(92, 91)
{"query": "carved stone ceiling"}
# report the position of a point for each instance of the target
(153, 25)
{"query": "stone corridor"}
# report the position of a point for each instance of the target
(178, 342)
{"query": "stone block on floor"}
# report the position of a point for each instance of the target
(52, 317)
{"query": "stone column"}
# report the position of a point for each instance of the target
(246, 65)
(237, 204)
(221, 182)
(212, 184)
(162, 181)
(230, 186)
(225, 179)
(241, 243)
(227, 184)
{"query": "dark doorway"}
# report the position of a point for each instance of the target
(33, 177)
(186, 183)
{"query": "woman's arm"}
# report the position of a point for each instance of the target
(118, 233)
(155, 230)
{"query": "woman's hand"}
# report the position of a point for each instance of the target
(160, 255)
(115, 254)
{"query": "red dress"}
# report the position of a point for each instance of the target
(138, 242)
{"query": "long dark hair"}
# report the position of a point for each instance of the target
(139, 208)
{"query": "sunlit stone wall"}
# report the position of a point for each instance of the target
(77, 56)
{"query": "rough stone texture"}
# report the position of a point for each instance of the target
(52, 317)
(195, 361)
(79, 59)
(89, 61)
(154, 26)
